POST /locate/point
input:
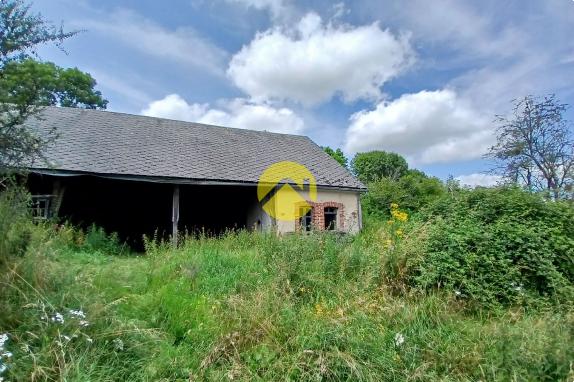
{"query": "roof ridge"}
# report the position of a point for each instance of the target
(173, 120)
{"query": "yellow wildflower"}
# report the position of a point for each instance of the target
(394, 206)
(399, 215)
(399, 232)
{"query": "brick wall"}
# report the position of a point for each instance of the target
(318, 215)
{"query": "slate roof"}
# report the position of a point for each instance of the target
(110, 143)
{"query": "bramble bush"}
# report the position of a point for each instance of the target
(498, 246)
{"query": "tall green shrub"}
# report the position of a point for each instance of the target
(499, 246)
(14, 223)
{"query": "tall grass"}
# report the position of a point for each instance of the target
(250, 306)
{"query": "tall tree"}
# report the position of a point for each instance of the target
(535, 146)
(374, 165)
(338, 155)
(26, 85)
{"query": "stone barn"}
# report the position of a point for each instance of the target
(140, 175)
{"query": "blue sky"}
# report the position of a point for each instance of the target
(422, 78)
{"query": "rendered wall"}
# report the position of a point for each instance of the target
(347, 203)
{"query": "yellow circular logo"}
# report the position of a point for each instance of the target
(285, 189)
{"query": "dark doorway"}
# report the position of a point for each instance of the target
(215, 209)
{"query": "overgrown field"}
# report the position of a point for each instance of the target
(77, 307)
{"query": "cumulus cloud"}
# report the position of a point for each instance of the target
(478, 179)
(315, 61)
(237, 112)
(426, 127)
(182, 45)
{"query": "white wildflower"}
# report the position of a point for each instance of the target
(84, 323)
(58, 318)
(399, 339)
(89, 340)
(77, 313)
(457, 293)
(3, 340)
(118, 344)
(25, 348)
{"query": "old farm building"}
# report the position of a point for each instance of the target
(138, 175)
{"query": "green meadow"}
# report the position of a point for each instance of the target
(78, 306)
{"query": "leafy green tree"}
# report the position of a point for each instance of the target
(27, 85)
(375, 165)
(337, 155)
(411, 192)
(45, 84)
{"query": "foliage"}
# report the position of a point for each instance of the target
(535, 147)
(45, 84)
(14, 223)
(23, 32)
(251, 306)
(338, 155)
(375, 165)
(412, 191)
(499, 246)
(26, 85)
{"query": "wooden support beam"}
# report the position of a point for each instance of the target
(57, 196)
(174, 215)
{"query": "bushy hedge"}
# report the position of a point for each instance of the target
(498, 246)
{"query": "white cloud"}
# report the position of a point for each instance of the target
(316, 61)
(279, 9)
(182, 45)
(426, 127)
(477, 179)
(468, 29)
(237, 112)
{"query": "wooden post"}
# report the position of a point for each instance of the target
(57, 196)
(174, 215)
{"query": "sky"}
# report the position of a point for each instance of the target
(421, 78)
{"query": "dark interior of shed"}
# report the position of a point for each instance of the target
(137, 208)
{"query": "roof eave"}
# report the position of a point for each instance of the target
(171, 180)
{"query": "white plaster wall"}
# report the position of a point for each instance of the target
(257, 215)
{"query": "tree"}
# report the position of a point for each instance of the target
(374, 165)
(535, 146)
(45, 84)
(337, 155)
(26, 85)
(411, 192)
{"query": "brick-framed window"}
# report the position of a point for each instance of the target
(318, 218)
(306, 219)
(330, 218)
